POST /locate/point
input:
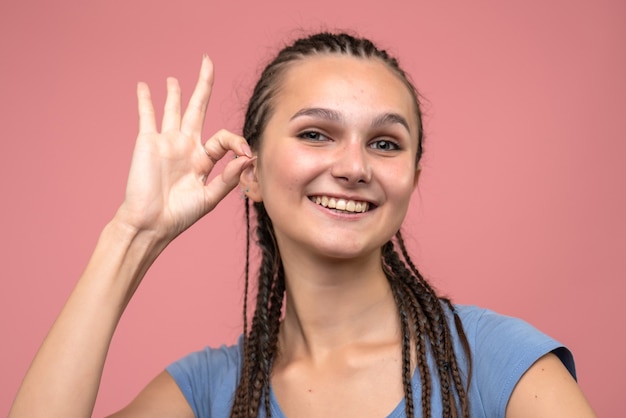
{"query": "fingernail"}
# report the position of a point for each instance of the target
(245, 148)
(248, 163)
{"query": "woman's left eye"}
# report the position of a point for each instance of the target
(312, 136)
(385, 145)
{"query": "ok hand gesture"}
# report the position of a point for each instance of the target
(167, 191)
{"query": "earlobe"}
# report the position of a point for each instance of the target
(248, 183)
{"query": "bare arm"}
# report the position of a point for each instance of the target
(160, 399)
(548, 390)
(166, 193)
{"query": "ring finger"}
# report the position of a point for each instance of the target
(171, 113)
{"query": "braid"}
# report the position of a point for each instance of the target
(441, 340)
(422, 327)
(406, 341)
(260, 344)
(241, 396)
(421, 314)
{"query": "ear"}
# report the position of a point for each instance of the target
(249, 184)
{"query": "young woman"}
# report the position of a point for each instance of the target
(344, 324)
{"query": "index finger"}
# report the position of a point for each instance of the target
(193, 119)
(223, 141)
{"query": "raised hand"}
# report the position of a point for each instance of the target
(166, 193)
(167, 190)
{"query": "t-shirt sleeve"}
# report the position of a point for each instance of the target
(503, 349)
(208, 379)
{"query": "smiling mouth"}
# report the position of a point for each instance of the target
(343, 205)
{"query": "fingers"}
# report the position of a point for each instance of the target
(147, 121)
(221, 185)
(194, 116)
(216, 147)
(171, 113)
(223, 141)
(193, 119)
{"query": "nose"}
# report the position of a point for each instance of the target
(351, 163)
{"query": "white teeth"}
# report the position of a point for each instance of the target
(341, 204)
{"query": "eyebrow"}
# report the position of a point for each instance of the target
(320, 113)
(334, 116)
(390, 119)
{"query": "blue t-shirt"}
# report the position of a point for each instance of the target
(502, 349)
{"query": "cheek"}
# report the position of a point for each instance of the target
(280, 173)
(399, 181)
(292, 165)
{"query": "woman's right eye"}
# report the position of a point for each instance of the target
(312, 136)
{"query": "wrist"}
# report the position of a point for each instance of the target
(122, 257)
(145, 243)
(134, 227)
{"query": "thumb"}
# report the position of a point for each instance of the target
(226, 181)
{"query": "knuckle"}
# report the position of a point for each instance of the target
(197, 105)
(223, 133)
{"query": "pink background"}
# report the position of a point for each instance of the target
(521, 206)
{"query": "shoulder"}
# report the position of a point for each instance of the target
(208, 378)
(547, 390)
(488, 331)
(503, 349)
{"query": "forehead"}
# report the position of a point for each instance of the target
(346, 83)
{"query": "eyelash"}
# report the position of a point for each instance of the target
(307, 136)
(394, 145)
(316, 136)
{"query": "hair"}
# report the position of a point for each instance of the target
(421, 312)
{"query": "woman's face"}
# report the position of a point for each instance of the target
(336, 164)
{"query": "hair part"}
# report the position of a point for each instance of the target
(422, 314)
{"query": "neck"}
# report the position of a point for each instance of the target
(336, 303)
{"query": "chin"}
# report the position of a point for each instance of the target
(344, 254)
